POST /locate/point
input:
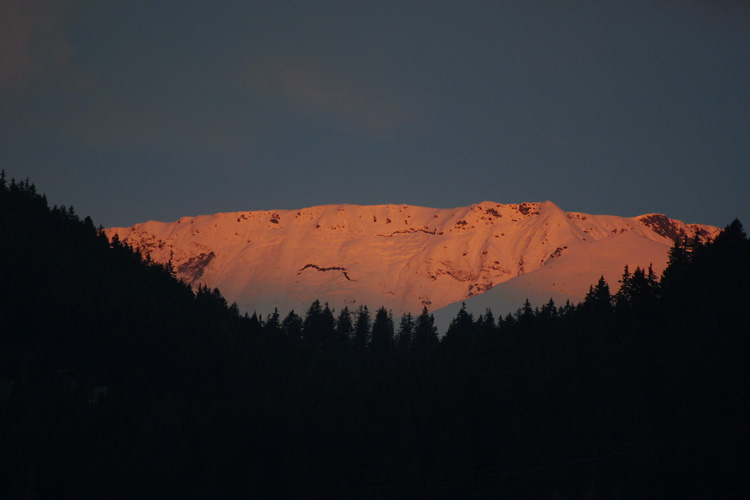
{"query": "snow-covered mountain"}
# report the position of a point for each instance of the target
(405, 257)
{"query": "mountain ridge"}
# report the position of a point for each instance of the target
(403, 257)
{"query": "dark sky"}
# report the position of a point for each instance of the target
(140, 110)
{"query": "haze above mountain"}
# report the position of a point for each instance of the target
(406, 257)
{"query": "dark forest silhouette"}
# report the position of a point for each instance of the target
(119, 381)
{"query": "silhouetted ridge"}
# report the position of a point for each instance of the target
(118, 381)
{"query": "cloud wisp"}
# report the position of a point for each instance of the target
(322, 93)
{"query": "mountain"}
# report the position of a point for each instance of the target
(139, 385)
(567, 278)
(404, 257)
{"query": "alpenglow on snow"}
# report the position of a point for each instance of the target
(406, 257)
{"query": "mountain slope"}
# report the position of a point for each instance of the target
(567, 278)
(400, 256)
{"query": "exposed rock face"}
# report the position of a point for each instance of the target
(400, 256)
(674, 230)
(192, 269)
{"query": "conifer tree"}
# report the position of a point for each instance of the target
(460, 330)
(426, 339)
(254, 324)
(623, 295)
(272, 325)
(327, 323)
(525, 314)
(485, 326)
(318, 324)
(344, 328)
(549, 310)
(405, 335)
(599, 298)
(292, 326)
(382, 343)
(362, 331)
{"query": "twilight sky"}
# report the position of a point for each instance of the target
(140, 110)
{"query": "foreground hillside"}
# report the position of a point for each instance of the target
(118, 381)
(400, 256)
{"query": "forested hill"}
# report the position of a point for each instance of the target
(117, 381)
(73, 301)
(99, 350)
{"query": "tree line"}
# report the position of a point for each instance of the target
(119, 381)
